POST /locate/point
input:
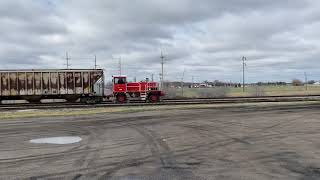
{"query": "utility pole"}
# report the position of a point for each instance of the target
(152, 77)
(162, 62)
(182, 83)
(95, 62)
(67, 59)
(243, 77)
(120, 68)
(119, 64)
(306, 80)
(192, 82)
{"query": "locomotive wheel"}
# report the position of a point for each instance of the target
(154, 98)
(121, 99)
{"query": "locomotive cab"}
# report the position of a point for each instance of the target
(120, 88)
(119, 84)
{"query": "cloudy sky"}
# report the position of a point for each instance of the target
(207, 38)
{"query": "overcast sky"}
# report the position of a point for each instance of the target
(207, 38)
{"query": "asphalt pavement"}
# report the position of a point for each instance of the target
(227, 143)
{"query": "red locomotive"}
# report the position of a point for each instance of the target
(124, 91)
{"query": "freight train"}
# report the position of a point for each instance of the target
(73, 85)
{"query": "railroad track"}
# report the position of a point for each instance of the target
(6, 107)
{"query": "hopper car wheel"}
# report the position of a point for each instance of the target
(34, 101)
(72, 100)
(154, 98)
(90, 100)
(121, 98)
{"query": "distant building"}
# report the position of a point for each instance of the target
(203, 85)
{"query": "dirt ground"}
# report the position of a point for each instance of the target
(219, 143)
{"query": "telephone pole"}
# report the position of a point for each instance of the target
(152, 77)
(243, 77)
(162, 75)
(67, 59)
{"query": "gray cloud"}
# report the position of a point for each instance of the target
(207, 38)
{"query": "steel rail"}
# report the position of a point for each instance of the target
(6, 107)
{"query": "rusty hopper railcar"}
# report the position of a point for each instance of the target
(36, 84)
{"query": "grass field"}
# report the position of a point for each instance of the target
(238, 92)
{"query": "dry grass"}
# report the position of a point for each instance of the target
(249, 91)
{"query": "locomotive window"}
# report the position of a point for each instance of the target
(120, 80)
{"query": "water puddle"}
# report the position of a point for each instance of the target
(57, 140)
